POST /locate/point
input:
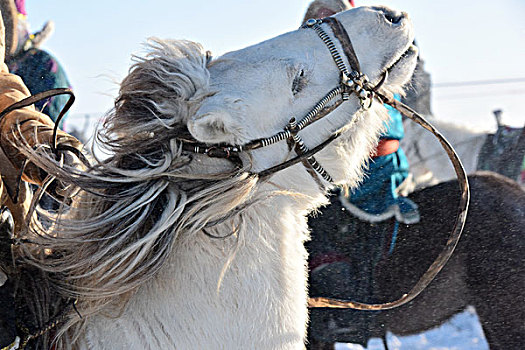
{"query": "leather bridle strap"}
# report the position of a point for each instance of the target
(343, 37)
(447, 251)
(351, 81)
(28, 101)
(270, 171)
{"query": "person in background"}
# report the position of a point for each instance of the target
(36, 129)
(357, 229)
(326, 8)
(39, 70)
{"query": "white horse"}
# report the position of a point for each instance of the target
(429, 165)
(477, 149)
(167, 248)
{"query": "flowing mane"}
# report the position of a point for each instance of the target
(136, 204)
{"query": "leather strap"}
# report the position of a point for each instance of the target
(18, 199)
(343, 37)
(454, 236)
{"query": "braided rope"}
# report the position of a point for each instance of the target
(356, 80)
(319, 169)
(283, 135)
(331, 47)
(318, 107)
(302, 149)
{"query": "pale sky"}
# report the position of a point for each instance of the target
(460, 41)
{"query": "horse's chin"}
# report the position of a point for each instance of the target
(352, 149)
(401, 70)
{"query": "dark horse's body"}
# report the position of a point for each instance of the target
(487, 270)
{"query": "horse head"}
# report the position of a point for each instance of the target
(254, 92)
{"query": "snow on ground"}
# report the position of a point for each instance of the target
(461, 332)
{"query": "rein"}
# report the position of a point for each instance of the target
(28, 101)
(452, 241)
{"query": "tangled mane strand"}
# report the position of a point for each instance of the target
(131, 208)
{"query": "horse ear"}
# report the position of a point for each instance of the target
(213, 126)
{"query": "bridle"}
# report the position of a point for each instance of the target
(351, 81)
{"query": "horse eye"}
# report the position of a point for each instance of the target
(299, 82)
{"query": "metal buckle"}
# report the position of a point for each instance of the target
(310, 23)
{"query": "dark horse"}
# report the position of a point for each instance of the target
(487, 270)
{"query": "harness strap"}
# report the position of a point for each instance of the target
(343, 37)
(452, 241)
(28, 101)
(352, 81)
(310, 163)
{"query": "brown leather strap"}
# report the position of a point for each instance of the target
(343, 37)
(18, 198)
(455, 234)
(28, 101)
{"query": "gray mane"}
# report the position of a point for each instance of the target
(131, 208)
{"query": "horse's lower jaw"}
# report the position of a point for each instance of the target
(397, 75)
(353, 148)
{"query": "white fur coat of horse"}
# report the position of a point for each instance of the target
(136, 249)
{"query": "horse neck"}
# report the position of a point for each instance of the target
(219, 291)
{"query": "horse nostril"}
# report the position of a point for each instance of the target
(392, 16)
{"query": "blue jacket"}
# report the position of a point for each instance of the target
(376, 198)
